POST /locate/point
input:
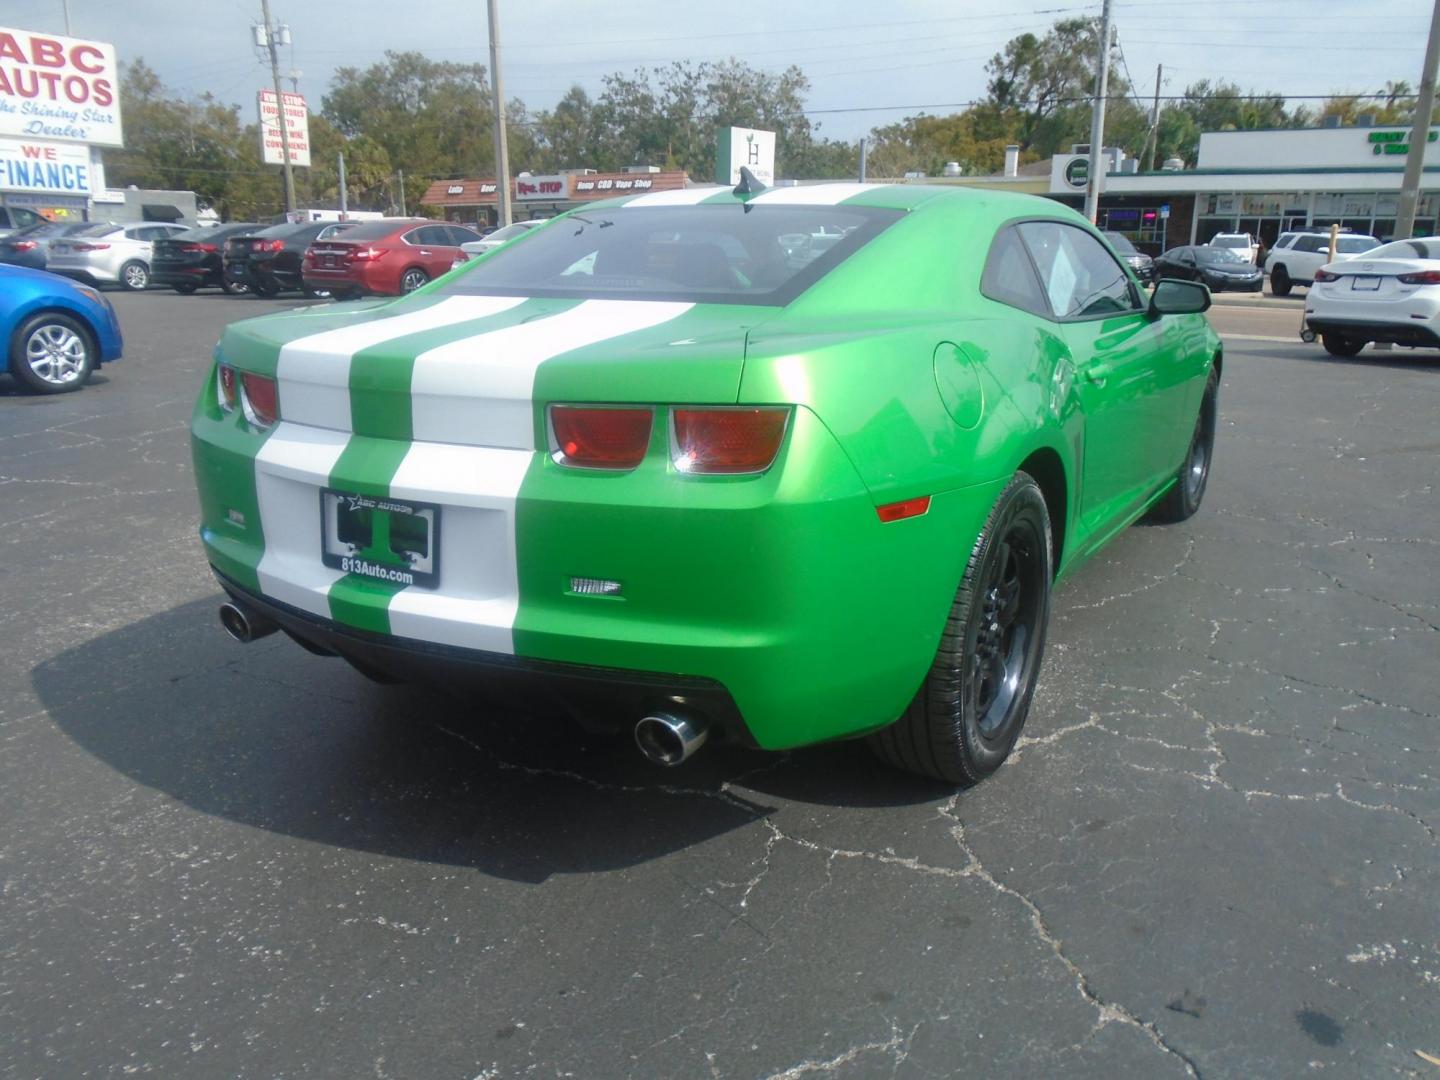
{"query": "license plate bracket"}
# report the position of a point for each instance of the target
(396, 541)
(1365, 283)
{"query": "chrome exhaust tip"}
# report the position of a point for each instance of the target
(244, 626)
(669, 739)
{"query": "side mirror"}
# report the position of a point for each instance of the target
(1172, 297)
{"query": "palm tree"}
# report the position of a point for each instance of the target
(1394, 90)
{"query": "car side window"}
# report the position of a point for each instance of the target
(1081, 278)
(461, 235)
(436, 236)
(1311, 243)
(1009, 275)
(1187, 257)
(140, 232)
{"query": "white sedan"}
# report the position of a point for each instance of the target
(490, 241)
(1390, 293)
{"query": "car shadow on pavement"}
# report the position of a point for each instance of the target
(272, 737)
(1398, 360)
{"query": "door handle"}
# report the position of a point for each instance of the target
(1098, 374)
(423, 252)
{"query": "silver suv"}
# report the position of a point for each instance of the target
(110, 254)
(1297, 255)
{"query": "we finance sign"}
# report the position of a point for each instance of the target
(55, 87)
(44, 168)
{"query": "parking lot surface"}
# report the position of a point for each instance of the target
(1215, 852)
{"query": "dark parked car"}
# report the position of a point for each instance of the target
(269, 261)
(1219, 268)
(195, 258)
(30, 246)
(1142, 264)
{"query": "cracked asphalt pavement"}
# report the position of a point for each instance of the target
(1214, 853)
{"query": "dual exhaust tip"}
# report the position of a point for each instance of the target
(665, 738)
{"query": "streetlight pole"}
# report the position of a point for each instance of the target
(497, 89)
(280, 106)
(1419, 135)
(1097, 118)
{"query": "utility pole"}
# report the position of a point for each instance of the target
(402, 193)
(66, 5)
(864, 155)
(497, 88)
(344, 198)
(271, 32)
(1152, 139)
(1097, 118)
(1419, 134)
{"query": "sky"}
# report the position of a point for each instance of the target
(868, 63)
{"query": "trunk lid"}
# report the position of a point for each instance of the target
(479, 370)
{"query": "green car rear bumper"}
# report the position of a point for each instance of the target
(781, 600)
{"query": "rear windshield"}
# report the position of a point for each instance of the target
(510, 232)
(722, 254)
(1230, 242)
(287, 229)
(1407, 249)
(1352, 245)
(377, 230)
(98, 228)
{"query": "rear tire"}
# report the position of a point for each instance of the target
(135, 276)
(1184, 497)
(266, 287)
(1338, 345)
(967, 715)
(313, 293)
(412, 279)
(1280, 283)
(234, 288)
(187, 289)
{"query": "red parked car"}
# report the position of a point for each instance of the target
(385, 258)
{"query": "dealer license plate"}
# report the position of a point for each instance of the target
(1365, 283)
(389, 540)
(329, 260)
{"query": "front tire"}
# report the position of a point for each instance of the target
(967, 715)
(1339, 345)
(52, 353)
(135, 276)
(312, 293)
(265, 287)
(1184, 497)
(1280, 283)
(233, 288)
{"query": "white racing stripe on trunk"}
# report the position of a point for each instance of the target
(811, 194)
(478, 487)
(478, 391)
(314, 372)
(290, 469)
(683, 197)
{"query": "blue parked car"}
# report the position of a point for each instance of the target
(56, 331)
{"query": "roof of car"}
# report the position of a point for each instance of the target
(881, 196)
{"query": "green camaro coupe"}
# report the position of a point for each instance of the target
(776, 466)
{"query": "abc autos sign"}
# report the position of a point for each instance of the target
(58, 88)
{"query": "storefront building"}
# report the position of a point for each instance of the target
(1263, 183)
(59, 104)
(476, 201)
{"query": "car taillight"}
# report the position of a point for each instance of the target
(207, 248)
(267, 245)
(727, 441)
(1423, 277)
(260, 399)
(368, 254)
(227, 392)
(91, 247)
(23, 245)
(1326, 275)
(596, 437)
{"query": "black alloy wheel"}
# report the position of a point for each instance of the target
(1185, 495)
(968, 713)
